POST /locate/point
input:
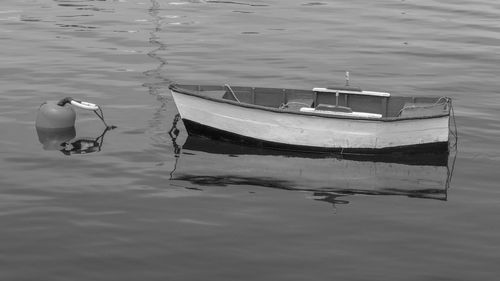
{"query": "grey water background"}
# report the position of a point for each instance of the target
(123, 214)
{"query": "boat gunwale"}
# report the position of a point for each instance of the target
(178, 88)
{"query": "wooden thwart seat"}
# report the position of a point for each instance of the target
(341, 113)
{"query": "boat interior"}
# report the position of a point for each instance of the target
(336, 100)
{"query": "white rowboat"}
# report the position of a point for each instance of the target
(334, 119)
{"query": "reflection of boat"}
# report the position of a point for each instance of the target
(339, 119)
(208, 162)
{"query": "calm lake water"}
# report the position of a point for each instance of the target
(157, 206)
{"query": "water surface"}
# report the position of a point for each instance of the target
(155, 206)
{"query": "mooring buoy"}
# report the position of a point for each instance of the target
(55, 122)
(51, 115)
(60, 115)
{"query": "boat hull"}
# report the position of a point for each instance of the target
(280, 129)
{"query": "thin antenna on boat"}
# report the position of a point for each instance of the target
(347, 78)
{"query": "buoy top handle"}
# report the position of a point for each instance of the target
(78, 103)
(87, 106)
(64, 101)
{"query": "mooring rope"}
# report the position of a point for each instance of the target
(438, 102)
(285, 105)
(455, 131)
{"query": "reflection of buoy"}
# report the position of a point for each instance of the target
(51, 115)
(54, 139)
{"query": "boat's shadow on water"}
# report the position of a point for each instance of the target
(206, 163)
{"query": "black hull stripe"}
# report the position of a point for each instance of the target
(197, 129)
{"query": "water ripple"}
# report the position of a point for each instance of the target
(137, 202)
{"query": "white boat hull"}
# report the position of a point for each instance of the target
(307, 130)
